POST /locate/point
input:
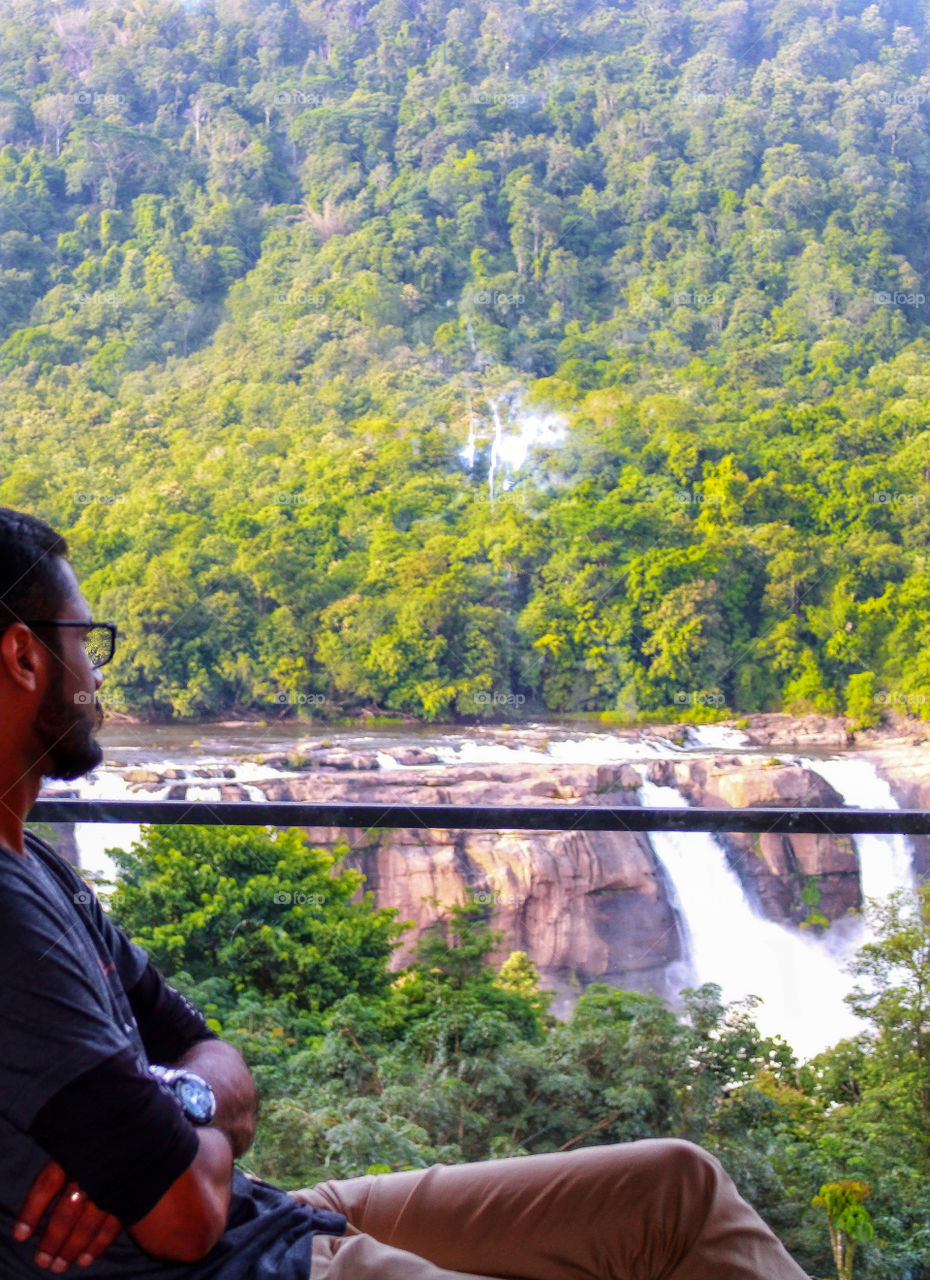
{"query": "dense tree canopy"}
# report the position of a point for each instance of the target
(281, 280)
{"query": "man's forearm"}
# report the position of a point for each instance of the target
(224, 1070)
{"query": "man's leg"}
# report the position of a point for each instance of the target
(654, 1210)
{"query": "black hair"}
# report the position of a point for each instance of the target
(31, 583)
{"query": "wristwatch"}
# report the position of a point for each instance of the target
(192, 1093)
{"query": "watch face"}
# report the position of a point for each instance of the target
(196, 1097)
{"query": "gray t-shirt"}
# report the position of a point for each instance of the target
(64, 972)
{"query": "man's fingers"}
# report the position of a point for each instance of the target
(42, 1192)
(71, 1208)
(107, 1232)
(77, 1232)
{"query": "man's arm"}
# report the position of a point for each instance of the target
(130, 1149)
(183, 1227)
(191, 1216)
(224, 1070)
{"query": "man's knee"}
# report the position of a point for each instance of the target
(677, 1159)
(684, 1179)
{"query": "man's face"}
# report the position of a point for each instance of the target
(69, 713)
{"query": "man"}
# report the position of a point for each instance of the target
(122, 1114)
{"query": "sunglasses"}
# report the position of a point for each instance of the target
(99, 641)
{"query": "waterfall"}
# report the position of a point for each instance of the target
(470, 452)
(885, 863)
(496, 444)
(800, 984)
(514, 431)
(94, 838)
(716, 737)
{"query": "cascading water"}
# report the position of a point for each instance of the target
(515, 431)
(94, 838)
(885, 863)
(800, 978)
(496, 444)
(800, 984)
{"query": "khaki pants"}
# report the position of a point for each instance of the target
(655, 1210)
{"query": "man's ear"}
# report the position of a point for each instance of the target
(23, 658)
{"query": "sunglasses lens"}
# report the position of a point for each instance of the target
(98, 646)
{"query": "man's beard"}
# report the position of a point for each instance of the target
(66, 735)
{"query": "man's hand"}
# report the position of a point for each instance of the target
(76, 1231)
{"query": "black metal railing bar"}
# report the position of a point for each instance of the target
(801, 821)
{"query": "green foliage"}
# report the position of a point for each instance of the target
(274, 917)
(862, 707)
(267, 272)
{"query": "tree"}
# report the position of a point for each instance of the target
(848, 1220)
(894, 995)
(257, 905)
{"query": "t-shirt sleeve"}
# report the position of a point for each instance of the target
(55, 1018)
(119, 1135)
(168, 1022)
(129, 958)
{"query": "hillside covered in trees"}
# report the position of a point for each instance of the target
(280, 281)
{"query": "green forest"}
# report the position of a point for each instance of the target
(364, 1069)
(280, 280)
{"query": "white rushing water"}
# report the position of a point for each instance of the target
(800, 983)
(588, 749)
(885, 863)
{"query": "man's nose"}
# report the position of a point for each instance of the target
(98, 678)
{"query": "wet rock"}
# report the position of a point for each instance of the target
(414, 756)
(138, 776)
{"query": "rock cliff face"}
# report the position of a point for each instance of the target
(774, 869)
(585, 906)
